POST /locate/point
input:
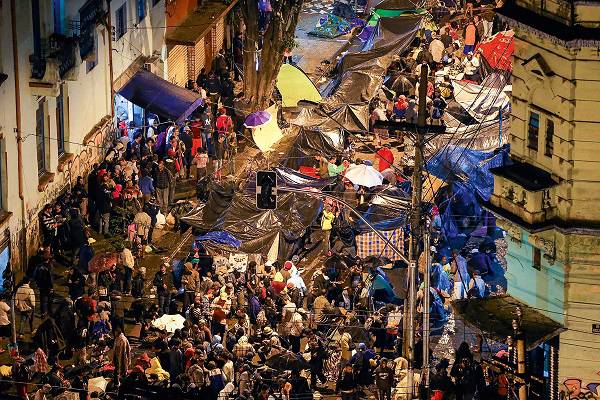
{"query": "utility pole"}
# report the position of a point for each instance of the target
(415, 232)
(426, 306)
(519, 337)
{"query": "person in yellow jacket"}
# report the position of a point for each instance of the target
(326, 226)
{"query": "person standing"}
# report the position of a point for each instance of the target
(43, 281)
(326, 227)
(163, 283)
(200, 162)
(238, 56)
(346, 384)
(470, 38)
(296, 329)
(121, 354)
(384, 380)
(5, 323)
(164, 178)
(146, 184)
(24, 304)
(128, 262)
(186, 138)
(76, 283)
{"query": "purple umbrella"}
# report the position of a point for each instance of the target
(257, 119)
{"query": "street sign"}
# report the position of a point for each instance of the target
(266, 190)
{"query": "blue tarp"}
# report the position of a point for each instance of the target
(220, 237)
(161, 97)
(472, 167)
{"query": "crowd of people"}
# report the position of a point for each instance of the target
(261, 332)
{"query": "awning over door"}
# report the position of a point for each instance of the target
(160, 96)
(494, 315)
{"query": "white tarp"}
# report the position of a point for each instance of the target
(266, 135)
(169, 323)
(482, 103)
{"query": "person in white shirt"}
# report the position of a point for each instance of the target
(152, 129)
(296, 328)
(24, 304)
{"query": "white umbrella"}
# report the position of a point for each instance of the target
(364, 175)
(169, 323)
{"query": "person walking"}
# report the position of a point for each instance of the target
(44, 282)
(24, 304)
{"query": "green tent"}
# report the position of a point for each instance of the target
(294, 86)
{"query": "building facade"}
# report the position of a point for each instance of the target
(61, 61)
(197, 30)
(547, 200)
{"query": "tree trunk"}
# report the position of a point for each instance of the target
(259, 84)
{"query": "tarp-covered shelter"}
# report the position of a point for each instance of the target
(352, 117)
(294, 85)
(287, 177)
(361, 74)
(310, 143)
(494, 316)
(256, 229)
(472, 167)
(498, 50)
(161, 97)
(331, 26)
(266, 135)
(398, 4)
(482, 103)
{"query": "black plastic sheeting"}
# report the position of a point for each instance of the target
(287, 177)
(352, 117)
(256, 229)
(361, 74)
(308, 144)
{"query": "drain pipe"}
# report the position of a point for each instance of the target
(23, 237)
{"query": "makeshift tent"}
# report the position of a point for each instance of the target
(266, 135)
(498, 50)
(287, 177)
(361, 74)
(482, 103)
(352, 117)
(471, 167)
(294, 85)
(161, 97)
(310, 143)
(370, 244)
(331, 26)
(257, 229)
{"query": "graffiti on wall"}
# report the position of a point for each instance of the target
(80, 164)
(574, 389)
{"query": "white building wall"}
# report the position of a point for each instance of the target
(142, 38)
(88, 104)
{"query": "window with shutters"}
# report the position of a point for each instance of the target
(121, 21)
(40, 136)
(60, 120)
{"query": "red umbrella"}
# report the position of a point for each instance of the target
(102, 262)
(498, 50)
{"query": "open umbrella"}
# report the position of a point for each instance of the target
(257, 119)
(287, 361)
(102, 262)
(364, 175)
